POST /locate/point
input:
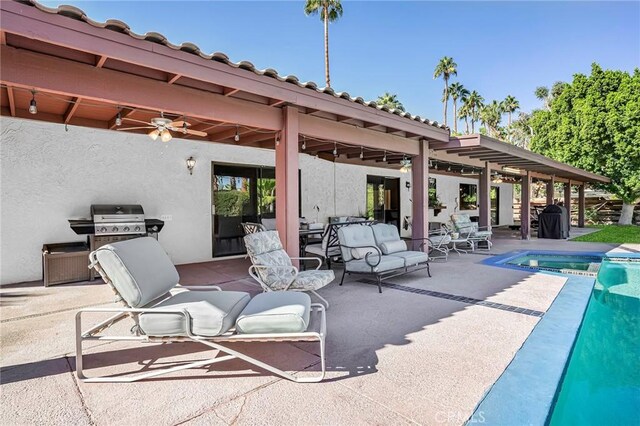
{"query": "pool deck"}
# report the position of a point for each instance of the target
(398, 357)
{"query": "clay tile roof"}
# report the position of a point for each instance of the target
(155, 37)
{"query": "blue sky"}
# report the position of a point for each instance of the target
(501, 48)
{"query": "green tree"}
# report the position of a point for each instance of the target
(594, 124)
(329, 11)
(465, 114)
(390, 101)
(491, 114)
(542, 93)
(520, 132)
(474, 103)
(510, 105)
(445, 68)
(457, 91)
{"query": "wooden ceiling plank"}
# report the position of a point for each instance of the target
(228, 91)
(101, 60)
(173, 78)
(12, 101)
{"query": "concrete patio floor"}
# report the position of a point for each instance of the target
(397, 357)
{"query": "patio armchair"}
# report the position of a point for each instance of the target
(146, 283)
(378, 250)
(438, 243)
(273, 270)
(468, 229)
(329, 249)
(251, 227)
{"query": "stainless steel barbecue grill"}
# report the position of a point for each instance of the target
(110, 219)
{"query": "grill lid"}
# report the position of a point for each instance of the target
(116, 209)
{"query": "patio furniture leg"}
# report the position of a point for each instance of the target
(379, 284)
(343, 274)
(429, 270)
(326, 303)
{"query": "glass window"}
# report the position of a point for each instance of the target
(434, 200)
(468, 196)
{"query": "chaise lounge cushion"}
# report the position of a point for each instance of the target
(387, 263)
(281, 312)
(139, 269)
(212, 313)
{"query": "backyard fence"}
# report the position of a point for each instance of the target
(599, 210)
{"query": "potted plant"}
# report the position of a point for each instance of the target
(435, 203)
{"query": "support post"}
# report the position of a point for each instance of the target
(420, 194)
(551, 190)
(287, 217)
(525, 206)
(567, 199)
(581, 206)
(484, 195)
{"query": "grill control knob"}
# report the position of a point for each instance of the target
(114, 229)
(126, 229)
(103, 229)
(137, 229)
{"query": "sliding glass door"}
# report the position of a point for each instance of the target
(240, 194)
(383, 199)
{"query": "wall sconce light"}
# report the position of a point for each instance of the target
(33, 107)
(191, 163)
(407, 184)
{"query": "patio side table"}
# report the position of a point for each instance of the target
(457, 242)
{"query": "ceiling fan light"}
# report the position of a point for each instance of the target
(154, 134)
(165, 136)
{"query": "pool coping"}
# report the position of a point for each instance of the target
(546, 350)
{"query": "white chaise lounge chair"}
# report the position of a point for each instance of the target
(144, 278)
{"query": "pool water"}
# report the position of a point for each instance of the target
(601, 385)
(583, 265)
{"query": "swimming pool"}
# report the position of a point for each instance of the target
(563, 263)
(602, 382)
(579, 365)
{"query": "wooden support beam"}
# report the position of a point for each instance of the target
(123, 114)
(484, 195)
(228, 91)
(567, 198)
(101, 60)
(55, 118)
(581, 206)
(287, 218)
(3, 38)
(276, 102)
(257, 139)
(229, 133)
(550, 190)
(12, 101)
(173, 78)
(420, 194)
(73, 107)
(525, 207)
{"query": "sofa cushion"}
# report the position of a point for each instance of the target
(391, 247)
(212, 313)
(355, 236)
(139, 269)
(383, 233)
(387, 263)
(362, 252)
(275, 312)
(412, 258)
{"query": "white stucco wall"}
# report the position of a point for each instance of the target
(48, 175)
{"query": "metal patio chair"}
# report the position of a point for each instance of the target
(476, 234)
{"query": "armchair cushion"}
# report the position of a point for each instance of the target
(265, 249)
(391, 247)
(312, 280)
(282, 312)
(355, 236)
(383, 233)
(139, 269)
(212, 313)
(362, 252)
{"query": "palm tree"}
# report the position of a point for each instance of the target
(331, 12)
(490, 116)
(509, 105)
(390, 101)
(457, 91)
(542, 93)
(475, 103)
(464, 114)
(445, 68)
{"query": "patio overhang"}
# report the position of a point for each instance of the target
(519, 161)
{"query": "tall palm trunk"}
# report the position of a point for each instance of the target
(466, 123)
(509, 112)
(445, 101)
(326, 45)
(455, 116)
(473, 126)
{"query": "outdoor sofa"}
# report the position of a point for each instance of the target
(329, 249)
(146, 283)
(378, 250)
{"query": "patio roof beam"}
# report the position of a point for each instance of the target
(173, 78)
(101, 60)
(228, 91)
(12, 101)
(73, 107)
(275, 102)
(29, 70)
(257, 140)
(55, 118)
(229, 133)
(112, 122)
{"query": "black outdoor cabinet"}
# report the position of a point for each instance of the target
(553, 222)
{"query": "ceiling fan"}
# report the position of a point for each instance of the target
(163, 127)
